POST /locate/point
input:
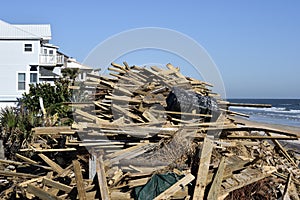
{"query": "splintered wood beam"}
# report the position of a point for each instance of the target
(249, 105)
(286, 188)
(176, 187)
(262, 128)
(102, 178)
(216, 184)
(42, 194)
(260, 137)
(89, 116)
(181, 113)
(284, 152)
(17, 174)
(51, 163)
(50, 130)
(79, 180)
(234, 113)
(28, 160)
(202, 174)
(176, 71)
(10, 162)
(57, 185)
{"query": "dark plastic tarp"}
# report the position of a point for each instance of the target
(181, 100)
(156, 185)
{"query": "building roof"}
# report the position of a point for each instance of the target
(24, 31)
(47, 73)
(42, 30)
(72, 63)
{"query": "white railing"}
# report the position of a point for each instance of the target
(51, 59)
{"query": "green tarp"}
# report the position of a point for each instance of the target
(156, 185)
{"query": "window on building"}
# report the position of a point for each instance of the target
(33, 78)
(28, 47)
(51, 52)
(21, 81)
(33, 68)
(45, 51)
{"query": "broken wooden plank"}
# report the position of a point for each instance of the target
(175, 187)
(79, 180)
(216, 184)
(10, 162)
(42, 194)
(50, 130)
(181, 113)
(102, 178)
(249, 105)
(286, 188)
(28, 160)
(284, 152)
(17, 174)
(202, 174)
(260, 137)
(51, 163)
(57, 185)
(90, 116)
(259, 175)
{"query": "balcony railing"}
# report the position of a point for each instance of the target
(48, 59)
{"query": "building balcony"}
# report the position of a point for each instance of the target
(51, 60)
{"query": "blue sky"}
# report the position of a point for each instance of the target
(255, 44)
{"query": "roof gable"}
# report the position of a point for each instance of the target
(41, 30)
(8, 31)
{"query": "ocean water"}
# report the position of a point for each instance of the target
(283, 111)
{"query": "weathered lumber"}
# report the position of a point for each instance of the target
(216, 184)
(50, 130)
(202, 174)
(57, 185)
(89, 116)
(10, 162)
(182, 113)
(234, 113)
(246, 178)
(260, 137)
(174, 188)
(102, 178)
(257, 128)
(42, 194)
(17, 174)
(28, 160)
(79, 180)
(249, 105)
(284, 152)
(51, 163)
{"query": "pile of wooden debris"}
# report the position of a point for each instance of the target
(151, 133)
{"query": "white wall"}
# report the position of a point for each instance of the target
(14, 59)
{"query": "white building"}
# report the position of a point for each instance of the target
(26, 57)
